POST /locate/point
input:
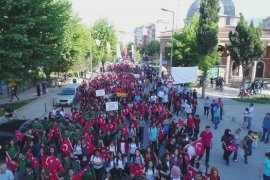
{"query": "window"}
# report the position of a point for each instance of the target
(228, 21)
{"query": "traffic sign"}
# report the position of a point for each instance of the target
(170, 79)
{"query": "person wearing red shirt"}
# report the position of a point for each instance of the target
(196, 121)
(206, 136)
(190, 125)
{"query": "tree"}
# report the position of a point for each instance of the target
(105, 33)
(246, 46)
(39, 35)
(15, 46)
(185, 45)
(153, 48)
(137, 56)
(207, 39)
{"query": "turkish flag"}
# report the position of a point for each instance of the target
(34, 161)
(108, 127)
(50, 162)
(92, 135)
(51, 134)
(125, 131)
(136, 170)
(66, 147)
(87, 124)
(80, 175)
(105, 156)
(19, 135)
(10, 164)
(231, 147)
(53, 175)
(104, 150)
(190, 173)
(186, 157)
(89, 149)
(87, 139)
(80, 118)
(199, 148)
(57, 133)
(61, 169)
(54, 132)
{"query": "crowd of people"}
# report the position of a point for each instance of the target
(141, 137)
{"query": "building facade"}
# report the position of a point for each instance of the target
(227, 23)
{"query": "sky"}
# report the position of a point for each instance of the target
(125, 15)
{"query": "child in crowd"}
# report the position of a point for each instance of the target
(256, 138)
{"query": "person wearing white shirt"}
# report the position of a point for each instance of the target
(98, 163)
(250, 115)
(190, 150)
(120, 161)
(150, 171)
(188, 109)
(165, 99)
(160, 94)
(153, 98)
(5, 174)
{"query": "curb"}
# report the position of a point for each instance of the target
(2, 118)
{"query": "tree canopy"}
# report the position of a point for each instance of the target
(105, 36)
(39, 35)
(153, 48)
(207, 37)
(246, 45)
(185, 45)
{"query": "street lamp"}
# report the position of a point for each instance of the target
(172, 36)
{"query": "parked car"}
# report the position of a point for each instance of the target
(7, 133)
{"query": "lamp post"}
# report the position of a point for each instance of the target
(172, 37)
(91, 58)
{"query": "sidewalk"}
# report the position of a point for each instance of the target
(234, 111)
(28, 94)
(236, 170)
(36, 109)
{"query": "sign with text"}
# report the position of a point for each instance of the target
(100, 92)
(112, 106)
(121, 94)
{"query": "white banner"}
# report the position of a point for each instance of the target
(100, 92)
(112, 106)
(184, 74)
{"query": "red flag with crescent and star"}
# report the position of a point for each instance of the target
(34, 161)
(190, 173)
(80, 174)
(19, 135)
(54, 132)
(199, 148)
(11, 165)
(231, 147)
(136, 170)
(125, 132)
(186, 157)
(53, 175)
(50, 162)
(87, 139)
(66, 147)
(108, 127)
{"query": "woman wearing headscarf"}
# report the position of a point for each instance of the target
(214, 174)
(227, 139)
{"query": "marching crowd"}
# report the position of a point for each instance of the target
(141, 137)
